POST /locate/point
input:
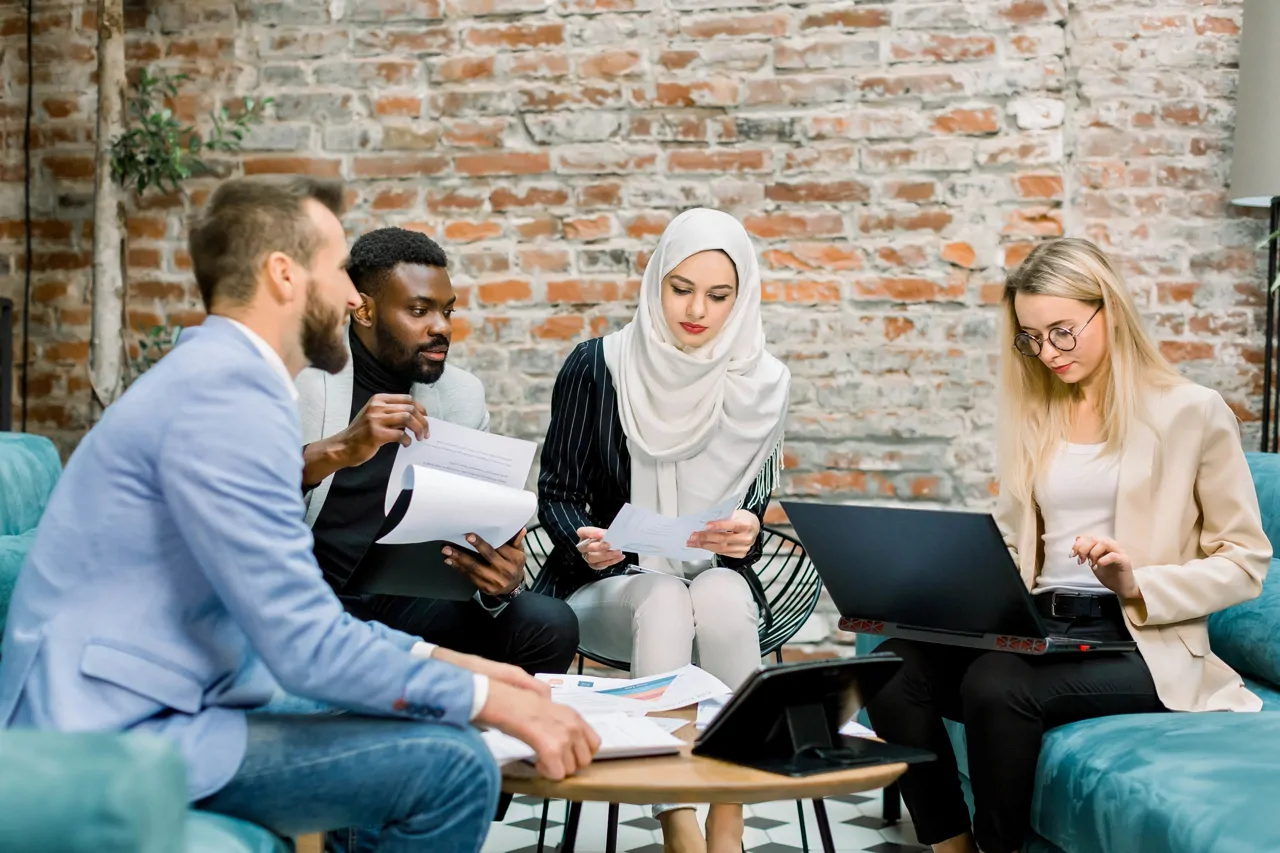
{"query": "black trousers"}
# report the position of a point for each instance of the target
(1006, 701)
(534, 632)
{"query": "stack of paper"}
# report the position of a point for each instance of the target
(462, 481)
(664, 692)
(621, 736)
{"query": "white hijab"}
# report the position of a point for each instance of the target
(700, 424)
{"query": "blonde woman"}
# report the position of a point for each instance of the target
(1128, 507)
(680, 410)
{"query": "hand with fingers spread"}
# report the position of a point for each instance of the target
(597, 552)
(1111, 565)
(383, 420)
(562, 740)
(494, 571)
(731, 537)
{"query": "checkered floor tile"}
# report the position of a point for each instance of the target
(856, 827)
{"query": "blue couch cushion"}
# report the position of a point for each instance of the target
(1247, 636)
(215, 833)
(29, 469)
(1161, 783)
(13, 552)
(1265, 468)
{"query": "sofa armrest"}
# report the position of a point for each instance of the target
(91, 792)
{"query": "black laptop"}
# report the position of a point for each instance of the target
(942, 577)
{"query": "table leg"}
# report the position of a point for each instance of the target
(570, 837)
(804, 832)
(542, 828)
(611, 836)
(824, 826)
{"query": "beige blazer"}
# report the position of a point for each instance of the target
(1187, 515)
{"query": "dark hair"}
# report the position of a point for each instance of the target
(375, 254)
(245, 220)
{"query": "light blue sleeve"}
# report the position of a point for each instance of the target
(231, 474)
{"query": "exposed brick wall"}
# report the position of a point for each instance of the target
(891, 159)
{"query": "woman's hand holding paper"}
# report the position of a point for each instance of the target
(595, 550)
(731, 537)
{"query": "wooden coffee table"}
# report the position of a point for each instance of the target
(687, 778)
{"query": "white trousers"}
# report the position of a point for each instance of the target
(658, 623)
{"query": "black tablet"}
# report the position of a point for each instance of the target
(786, 719)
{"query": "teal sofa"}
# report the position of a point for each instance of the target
(90, 792)
(1172, 783)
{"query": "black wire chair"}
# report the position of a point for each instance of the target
(790, 586)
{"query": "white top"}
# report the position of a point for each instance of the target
(1077, 497)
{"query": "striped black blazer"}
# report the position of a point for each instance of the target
(586, 475)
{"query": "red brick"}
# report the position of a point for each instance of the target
(833, 192)
(146, 228)
(469, 232)
(140, 258)
(647, 225)
(968, 121)
(717, 92)
(676, 60)
(1039, 186)
(779, 225)
(822, 159)
(561, 328)
(461, 329)
(59, 108)
(914, 191)
(161, 291)
(398, 166)
(1179, 351)
(773, 24)
(960, 254)
(538, 226)
(505, 198)
(515, 36)
(831, 257)
(579, 292)
(718, 160)
(599, 195)
(538, 63)
(896, 327)
(544, 260)
(481, 264)
(398, 105)
(800, 291)
(465, 68)
(906, 257)
(1185, 115)
(923, 220)
(584, 228)
(68, 168)
(1172, 292)
(1016, 253)
(909, 290)
(1040, 222)
(1216, 24)
(507, 163)
(1025, 11)
(395, 199)
(501, 292)
(848, 18)
(289, 165)
(475, 133)
(66, 351)
(939, 47)
(605, 159)
(440, 201)
(609, 63)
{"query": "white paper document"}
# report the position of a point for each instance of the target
(642, 531)
(446, 507)
(663, 692)
(853, 728)
(462, 481)
(708, 709)
(483, 456)
(621, 736)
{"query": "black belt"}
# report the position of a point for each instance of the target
(1077, 605)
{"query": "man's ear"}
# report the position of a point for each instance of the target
(365, 313)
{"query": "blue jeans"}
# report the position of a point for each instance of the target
(413, 787)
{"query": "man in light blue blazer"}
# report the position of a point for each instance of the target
(172, 589)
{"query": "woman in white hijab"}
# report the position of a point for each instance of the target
(679, 411)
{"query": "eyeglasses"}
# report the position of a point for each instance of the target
(1063, 340)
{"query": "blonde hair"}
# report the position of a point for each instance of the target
(1036, 408)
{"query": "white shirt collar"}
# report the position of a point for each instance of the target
(273, 358)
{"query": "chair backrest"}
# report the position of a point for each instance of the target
(790, 582)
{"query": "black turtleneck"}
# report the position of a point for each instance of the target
(353, 511)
